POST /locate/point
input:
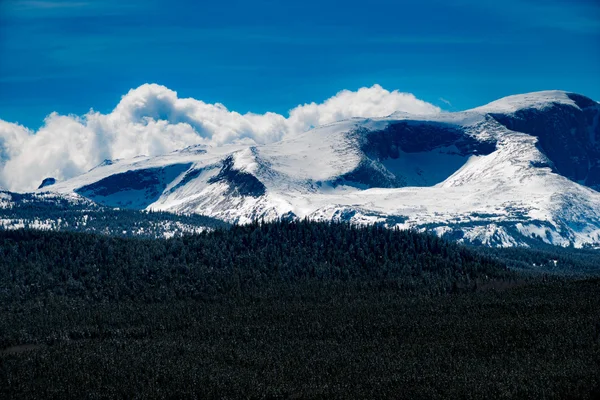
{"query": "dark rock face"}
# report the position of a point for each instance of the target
(415, 137)
(582, 101)
(370, 174)
(408, 137)
(47, 182)
(240, 183)
(568, 136)
(132, 189)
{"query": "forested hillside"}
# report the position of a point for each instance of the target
(291, 310)
(555, 260)
(239, 260)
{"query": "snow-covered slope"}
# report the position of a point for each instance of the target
(520, 169)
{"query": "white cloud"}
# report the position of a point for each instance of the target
(365, 102)
(152, 120)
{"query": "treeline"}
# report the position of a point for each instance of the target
(547, 259)
(242, 259)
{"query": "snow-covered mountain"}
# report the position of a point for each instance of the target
(521, 169)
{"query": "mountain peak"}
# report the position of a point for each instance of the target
(536, 100)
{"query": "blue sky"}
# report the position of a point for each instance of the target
(267, 55)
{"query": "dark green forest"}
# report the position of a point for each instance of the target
(548, 259)
(294, 310)
(243, 259)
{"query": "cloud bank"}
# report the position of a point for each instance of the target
(152, 120)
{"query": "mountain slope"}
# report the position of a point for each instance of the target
(71, 212)
(519, 170)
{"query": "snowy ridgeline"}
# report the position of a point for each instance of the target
(519, 171)
(73, 213)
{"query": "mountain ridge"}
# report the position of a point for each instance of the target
(522, 168)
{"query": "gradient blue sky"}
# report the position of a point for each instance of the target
(267, 55)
